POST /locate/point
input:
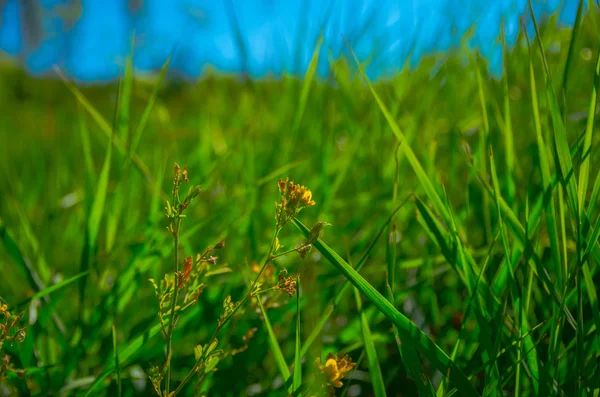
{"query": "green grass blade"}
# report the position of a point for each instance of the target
(408, 152)
(87, 151)
(372, 359)
(107, 130)
(53, 288)
(274, 344)
(306, 83)
(408, 330)
(125, 354)
(13, 250)
(147, 110)
(271, 176)
(569, 60)
(124, 110)
(483, 144)
(411, 360)
(116, 357)
(546, 178)
(342, 291)
(584, 168)
(594, 196)
(297, 382)
(97, 209)
(560, 135)
(508, 131)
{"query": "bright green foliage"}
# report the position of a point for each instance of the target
(486, 193)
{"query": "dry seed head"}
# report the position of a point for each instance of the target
(220, 244)
(288, 285)
(303, 250)
(176, 173)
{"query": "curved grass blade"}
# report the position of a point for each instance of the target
(408, 152)
(147, 110)
(342, 291)
(408, 330)
(53, 288)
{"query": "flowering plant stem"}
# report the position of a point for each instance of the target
(226, 320)
(173, 306)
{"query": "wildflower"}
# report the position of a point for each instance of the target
(293, 198)
(335, 369)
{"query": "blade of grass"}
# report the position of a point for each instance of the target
(306, 84)
(125, 354)
(147, 111)
(372, 359)
(408, 330)
(569, 60)
(560, 135)
(125, 99)
(297, 381)
(508, 132)
(409, 355)
(342, 291)
(584, 168)
(545, 171)
(408, 152)
(515, 290)
(53, 288)
(135, 344)
(116, 357)
(97, 209)
(483, 144)
(274, 344)
(108, 131)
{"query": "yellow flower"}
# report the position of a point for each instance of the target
(336, 368)
(293, 198)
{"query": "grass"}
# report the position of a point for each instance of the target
(485, 193)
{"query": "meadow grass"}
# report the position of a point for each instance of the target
(461, 257)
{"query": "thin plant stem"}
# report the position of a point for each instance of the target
(173, 305)
(284, 253)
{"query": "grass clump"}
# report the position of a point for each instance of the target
(453, 246)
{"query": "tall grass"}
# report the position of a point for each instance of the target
(485, 193)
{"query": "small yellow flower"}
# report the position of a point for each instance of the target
(336, 368)
(293, 198)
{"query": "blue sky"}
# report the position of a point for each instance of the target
(90, 39)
